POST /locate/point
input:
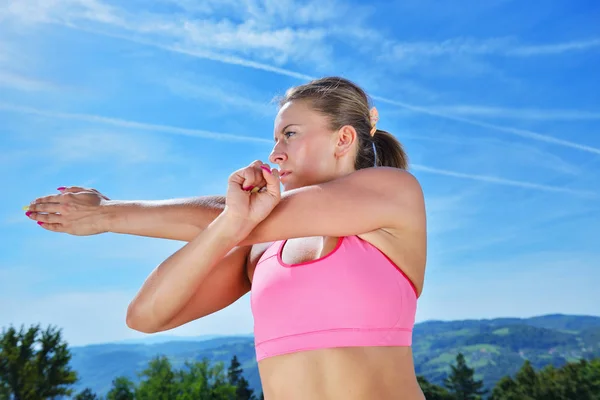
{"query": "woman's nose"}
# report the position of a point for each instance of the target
(277, 156)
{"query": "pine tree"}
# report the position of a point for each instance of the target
(34, 364)
(461, 382)
(234, 372)
(236, 378)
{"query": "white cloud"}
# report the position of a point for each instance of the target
(219, 93)
(86, 144)
(252, 37)
(24, 83)
(516, 113)
(133, 124)
(450, 212)
(499, 128)
(503, 46)
(507, 182)
(197, 37)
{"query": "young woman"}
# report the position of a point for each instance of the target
(335, 264)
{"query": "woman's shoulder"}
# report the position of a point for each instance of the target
(390, 185)
(390, 177)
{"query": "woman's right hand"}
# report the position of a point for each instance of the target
(76, 211)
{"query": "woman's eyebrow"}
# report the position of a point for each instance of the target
(283, 130)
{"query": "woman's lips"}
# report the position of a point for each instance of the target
(283, 174)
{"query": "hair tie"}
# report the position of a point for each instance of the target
(374, 115)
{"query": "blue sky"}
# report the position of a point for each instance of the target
(496, 103)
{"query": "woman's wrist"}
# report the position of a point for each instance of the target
(111, 214)
(236, 227)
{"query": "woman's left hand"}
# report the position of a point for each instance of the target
(252, 193)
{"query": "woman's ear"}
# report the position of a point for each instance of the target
(345, 138)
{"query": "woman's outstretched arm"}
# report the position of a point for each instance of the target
(83, 211)
(360, 202)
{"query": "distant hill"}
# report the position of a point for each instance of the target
(494, 347)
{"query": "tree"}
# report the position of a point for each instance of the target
(528, 382)
(432, 391)
(34, 364)
(86, 394)
(220, 387)
(122, 389)
(158, 381)
(236, 378)
(461, 382)
(576, 380)
(234, 372)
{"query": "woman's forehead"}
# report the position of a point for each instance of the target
(298, 113)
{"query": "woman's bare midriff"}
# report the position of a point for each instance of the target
(360, 373)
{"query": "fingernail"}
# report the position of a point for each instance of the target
(256, 189)
(266, 168)
(40, 223)
(25, 208)
(248, 188)
(61, 188)
(28, 213)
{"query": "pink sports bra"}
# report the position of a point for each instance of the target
(354, 296)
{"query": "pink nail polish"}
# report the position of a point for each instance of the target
(266, 168)
(28, 213)
(40, 223)
(248, 188)
(61, 188)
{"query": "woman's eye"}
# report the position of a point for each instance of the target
(288, 133)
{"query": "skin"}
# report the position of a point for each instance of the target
(383, 206)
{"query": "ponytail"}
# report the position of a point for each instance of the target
(390, 152)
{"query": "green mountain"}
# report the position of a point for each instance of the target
(494, 347)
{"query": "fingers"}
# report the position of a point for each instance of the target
(56, 198)
(272, 178)
(51, 227)
(45, 218)
(253, 179)
(47, 207)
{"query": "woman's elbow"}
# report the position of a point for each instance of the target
(140, 321)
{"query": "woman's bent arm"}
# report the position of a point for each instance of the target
(173, 284)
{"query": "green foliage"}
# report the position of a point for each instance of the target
(461, 382)
(578, 380)
(198, 380)
(433, 392)
(86, 394)
(34, 364)
(122, 389)
(234, 373)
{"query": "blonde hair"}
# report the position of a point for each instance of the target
(345, 103)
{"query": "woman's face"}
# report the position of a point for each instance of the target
(306, 150)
